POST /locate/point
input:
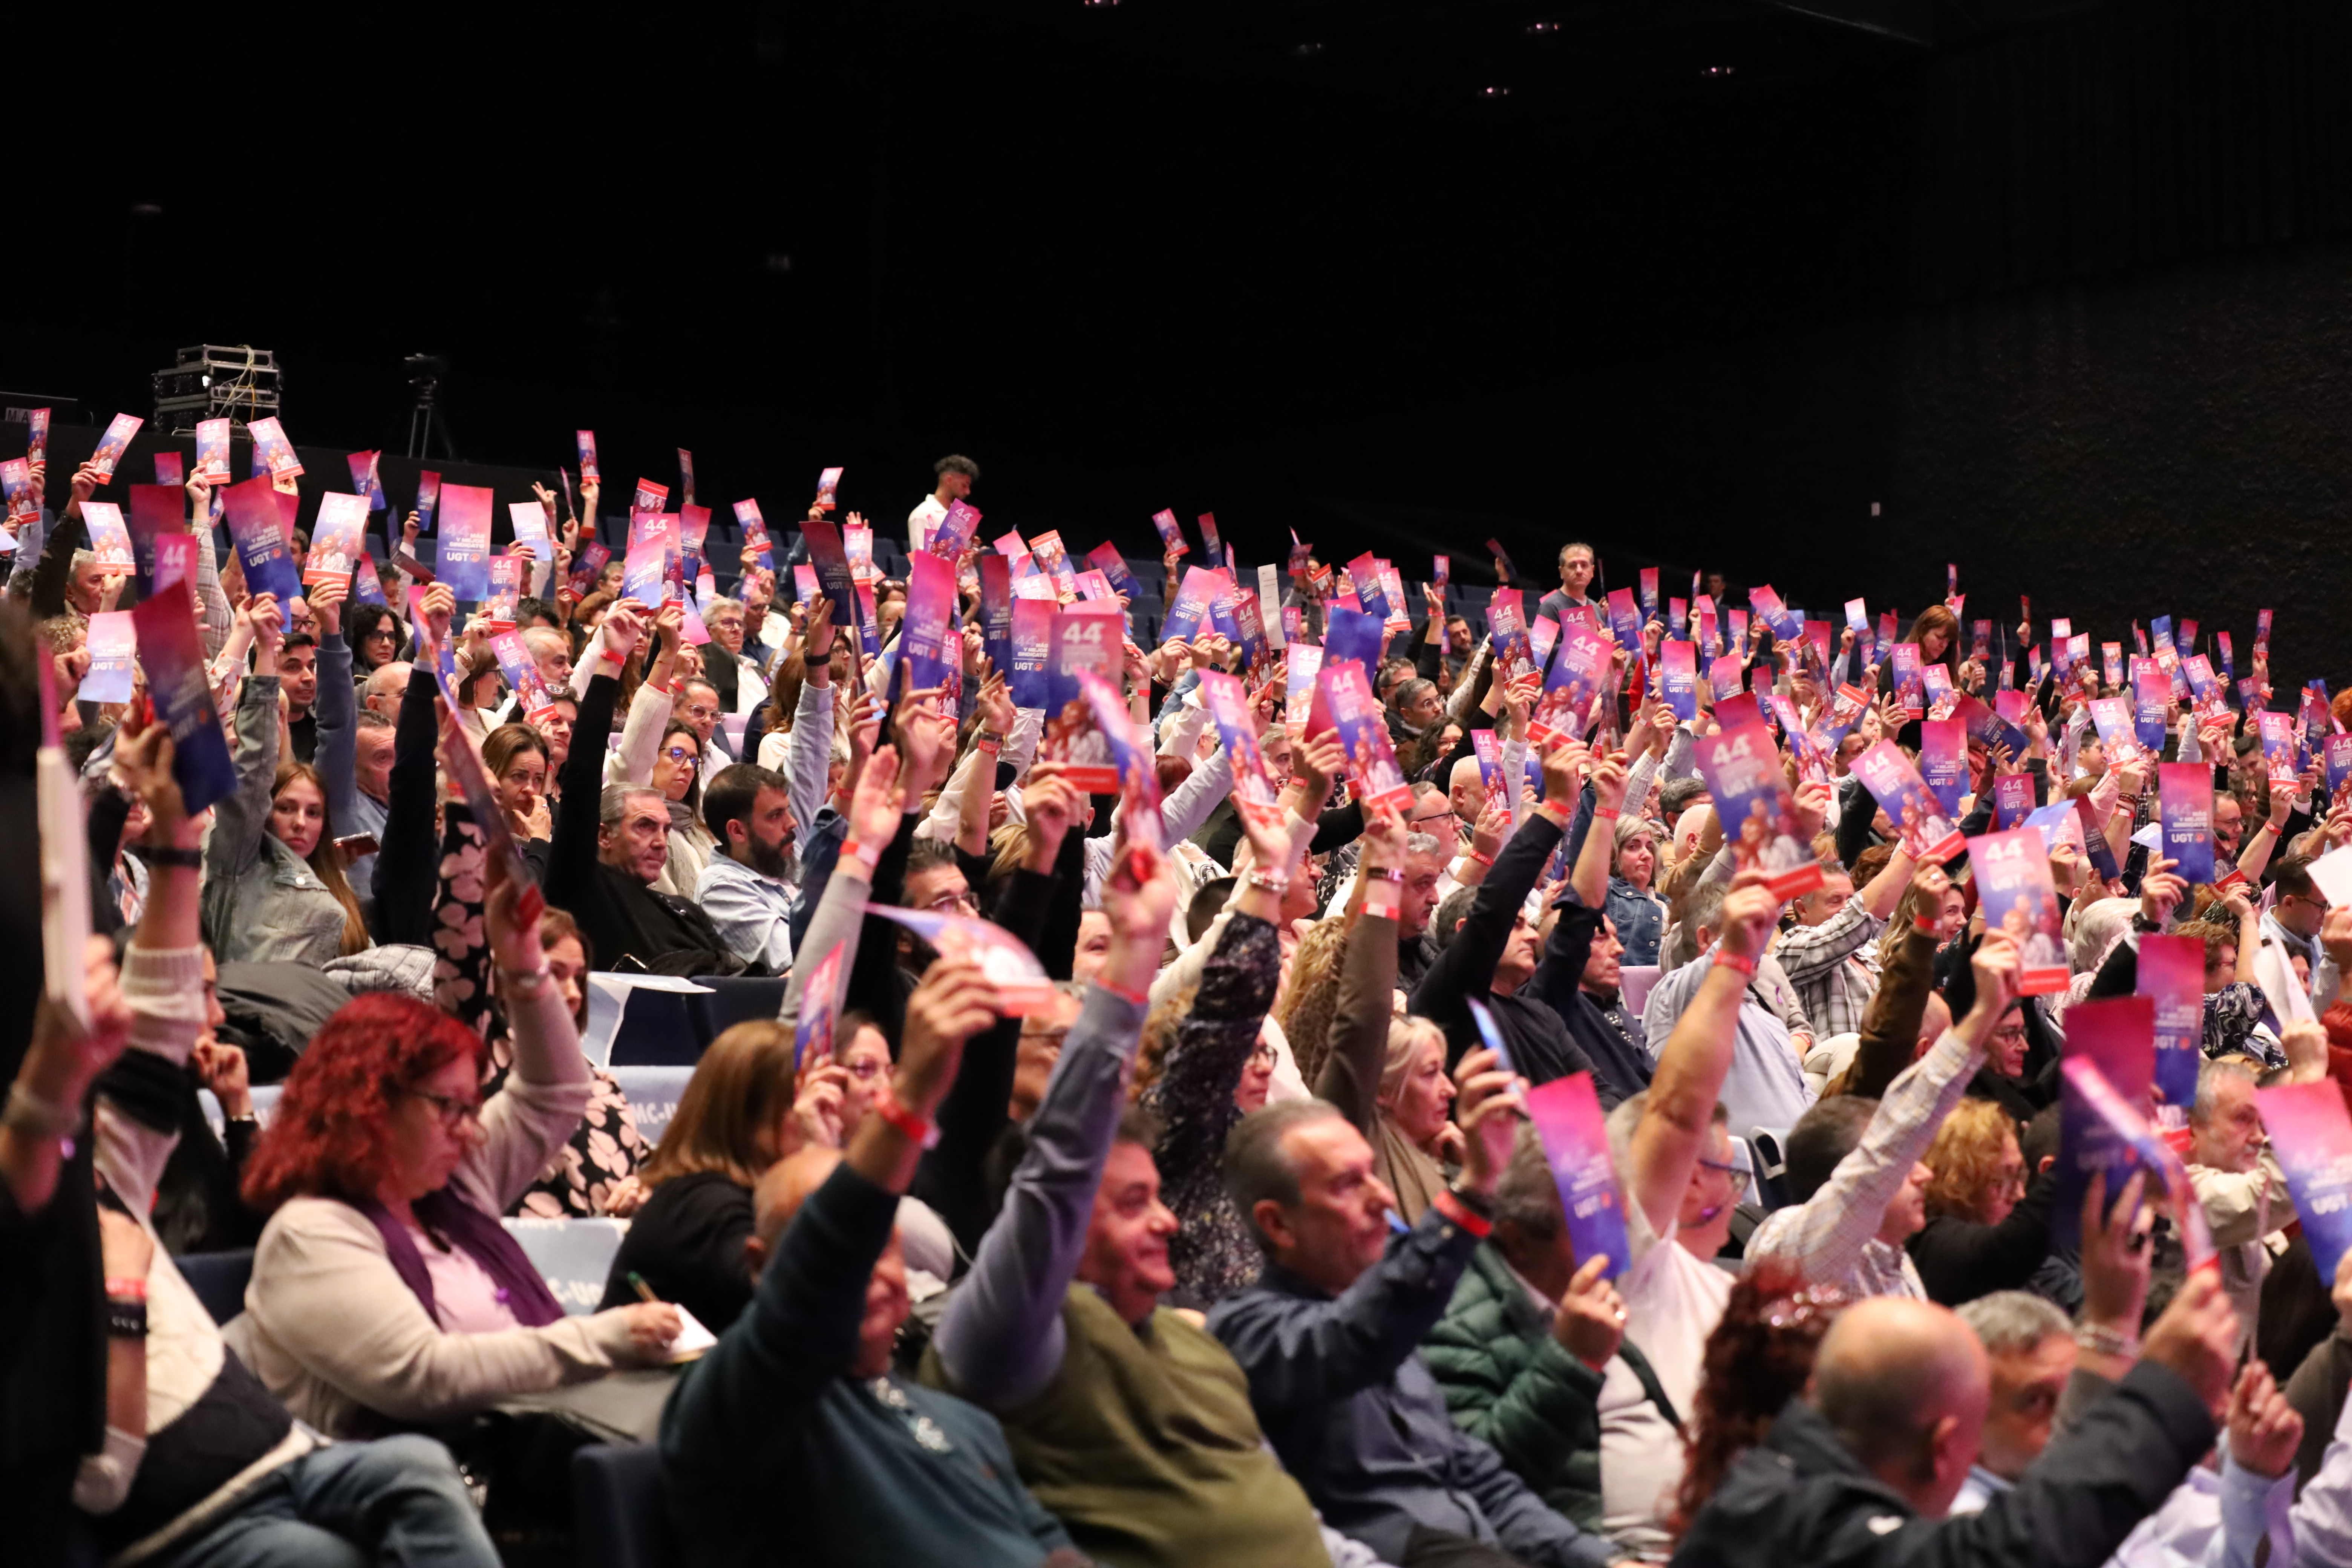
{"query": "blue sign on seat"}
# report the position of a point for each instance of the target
(573, 1256)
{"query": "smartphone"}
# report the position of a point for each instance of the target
(357, 846)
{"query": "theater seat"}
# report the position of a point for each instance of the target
(1768, 1151)
(573, 1256)
(218, 1278)
(652, 1094)
(617, 1516)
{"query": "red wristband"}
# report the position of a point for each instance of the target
(1141, 998)
(917, 1130)
(866, 857)
(1461, 1214)
(1482, 859)
(1608, 813)
(1733, 961)
(125, 1288)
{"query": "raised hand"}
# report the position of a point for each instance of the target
(2161, 891)
(326, 601)
(1749, 915)
(2264, 1429)
(874, 809)
(1487, 1109)
(1051, 804)
(624, 626)
(1590, 1322)
(954, 1001)
(2197, 1338)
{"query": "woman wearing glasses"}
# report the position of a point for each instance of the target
(385, 1292)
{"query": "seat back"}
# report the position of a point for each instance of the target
(218, 1278)
(652, 1094)
(573, 1256)
(617, 1507)
(1766, 1148)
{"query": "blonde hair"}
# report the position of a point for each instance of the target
(1305, 1008)
(1965, 1155)
(1407, 1035)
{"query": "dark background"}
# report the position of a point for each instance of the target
(2062, 287)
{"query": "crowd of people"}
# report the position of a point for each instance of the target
(1233, 1239)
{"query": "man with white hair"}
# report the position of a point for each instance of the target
(2234, 1173)
(2041, 1383)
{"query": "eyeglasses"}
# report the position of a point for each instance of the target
(866, 1068)
(1262, 1057)
(1737, 1176)
(680, 753)
(451, 1111)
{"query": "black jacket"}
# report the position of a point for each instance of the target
(1541, 1048)
(1960, 1260)
(1800, 1496)
(618, 914)
(1620, 1069)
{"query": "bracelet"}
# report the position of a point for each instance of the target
(1457, 1207)
(2101, 1339)
(1267, 881)
(918, 1130)
(172, 855)
(989, 738)
(1385, 873)
(864, 855)
(1141, 998)
(1736, 960)
(124, 1287)
(525, 982)
(1604, 814)
(31, 1113)
(126, 1319)
(1488, 860)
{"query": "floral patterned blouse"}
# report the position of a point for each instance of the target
(606, 1148)
(1213, 1252)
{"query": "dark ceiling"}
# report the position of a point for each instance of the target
(1185, 247)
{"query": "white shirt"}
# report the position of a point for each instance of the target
(927, 516)
(1673, 1300)
(1641, 1456)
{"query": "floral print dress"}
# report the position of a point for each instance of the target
(1213, 1253)
(606, 1148)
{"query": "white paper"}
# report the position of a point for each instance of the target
(692, 1340)
(2332, 875)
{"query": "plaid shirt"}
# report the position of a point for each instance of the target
(1832, 1237)
(1834, 967)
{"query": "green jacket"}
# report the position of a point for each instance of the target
(1508, 1384)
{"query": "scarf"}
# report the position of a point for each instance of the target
(1411, 1173)
(480, 1238)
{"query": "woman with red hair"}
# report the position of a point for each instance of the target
(1760, 1357)
(384, 1291)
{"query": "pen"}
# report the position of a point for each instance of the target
(645, 1292)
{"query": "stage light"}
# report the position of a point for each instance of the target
(1495, 92)
(1717, 71)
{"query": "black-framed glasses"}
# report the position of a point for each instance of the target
(682, 754)
(451, 1110)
